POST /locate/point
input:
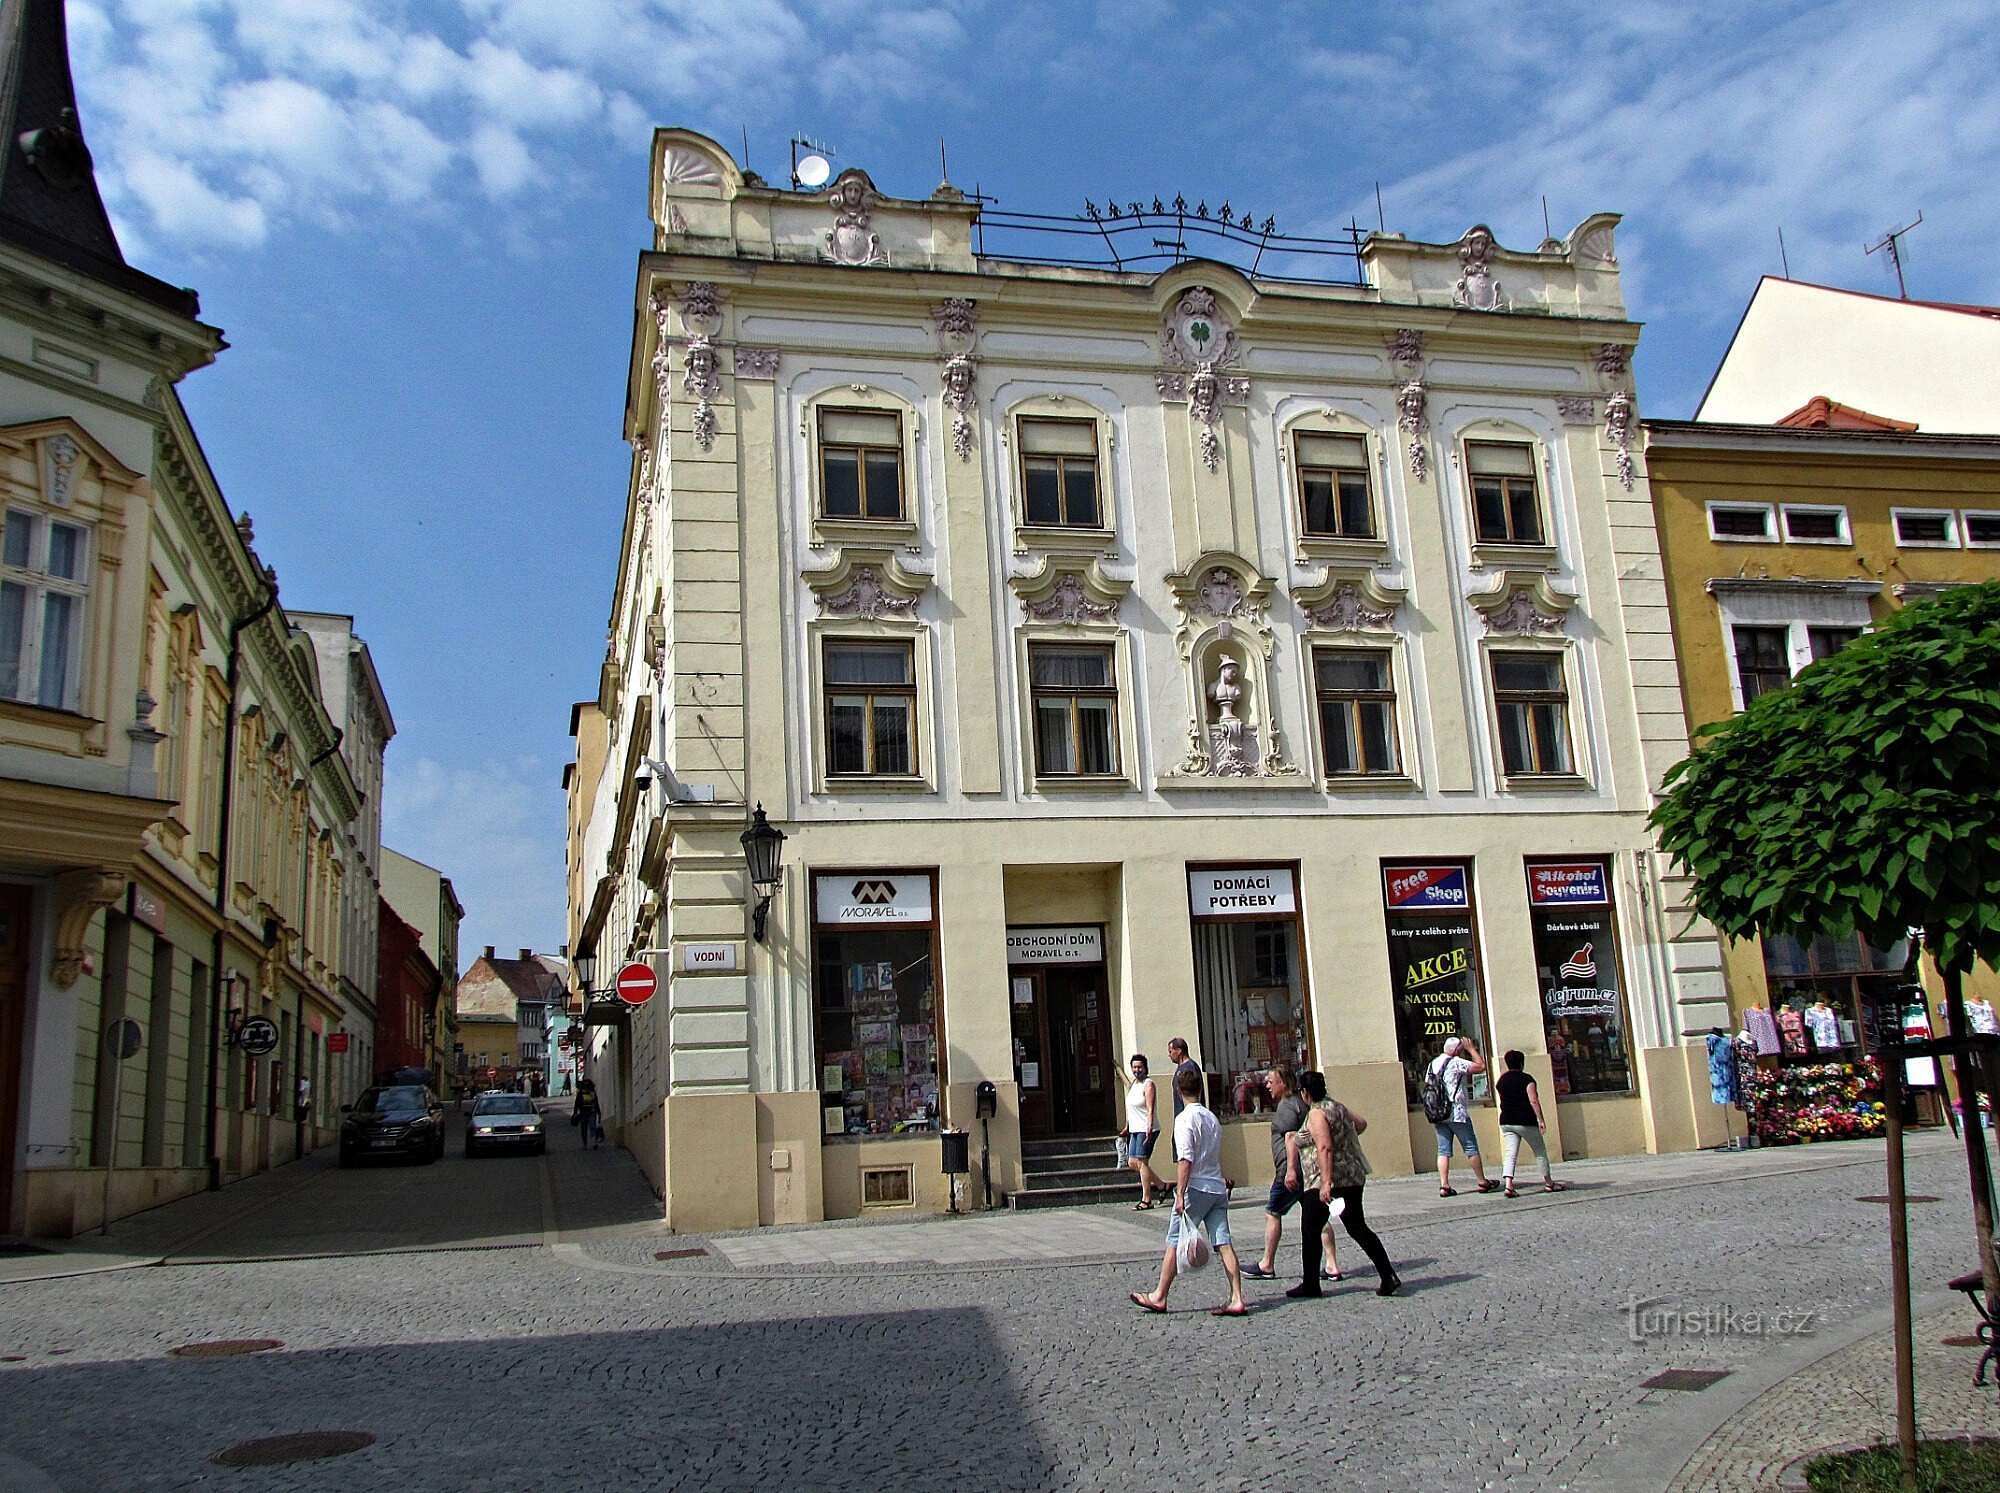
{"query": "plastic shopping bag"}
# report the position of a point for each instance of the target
(1193, 1247)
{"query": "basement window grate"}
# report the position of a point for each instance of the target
(888, 1187)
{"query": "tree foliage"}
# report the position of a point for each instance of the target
(1865, 797)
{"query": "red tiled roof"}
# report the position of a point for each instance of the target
(1821, 413)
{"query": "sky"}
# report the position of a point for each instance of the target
(418, 223)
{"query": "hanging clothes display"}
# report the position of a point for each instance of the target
(1724, 1086)
(1792, 1032)
(1979, 1016)
(1824, 1024)
(1763, 1030)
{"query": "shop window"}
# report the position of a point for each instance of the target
(1433, 966)
(1763, 660)
(871, 702)
(1357, 710)
(1531, 706)
(1334, 498)
(876, 1033)
(1249, 980)
(1507, 509)
(1571, 912)
(1059, 486)
(1075, 692)
(861, 465)
(1808, 525)
(1922, 528)
(1741, 521)
(43, 587)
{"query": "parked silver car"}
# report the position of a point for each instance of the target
(504, 1122)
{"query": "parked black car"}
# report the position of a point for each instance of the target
(393, 1120)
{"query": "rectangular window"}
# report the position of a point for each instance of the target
(1815, 525)
(1576, 963)
(871, 707)
(1926, 529)
(1357, 710)
(1333, 485)
(1982, 530)
(861, 465)
(1506, 507)
(1433, 966)
(1763, 660)
(877, 1039)
(1740, 521)
(42, 590)
(1249, 979)
(1059, 473)
(1827, 641)
(1531, 703)
(1075, 693)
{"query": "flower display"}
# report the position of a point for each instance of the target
(1816, 1101)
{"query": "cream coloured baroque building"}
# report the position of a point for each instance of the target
(1125, 653)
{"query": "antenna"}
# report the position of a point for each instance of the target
(746, 147)
(1380, 220)
(811, 169)
(1782, 258)
(1893, 242)
(1547, 232)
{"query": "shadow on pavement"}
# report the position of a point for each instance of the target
(839, 1402)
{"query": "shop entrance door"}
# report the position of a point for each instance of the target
(14, 908)
(1062, 1050)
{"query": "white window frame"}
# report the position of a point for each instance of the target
(1949, 515)
(1798, 607)
(1061, 539)
(1771, 534)
(1125, 681)
(1404, 776)
(1965, 527)
(34, 579)
(1785, 512)
(834, 631)
(1575, 738)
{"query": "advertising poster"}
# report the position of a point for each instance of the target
(1433, 965)
(1576, 966)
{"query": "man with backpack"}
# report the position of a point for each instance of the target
(1447, 1098)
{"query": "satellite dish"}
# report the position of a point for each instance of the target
(813, 171)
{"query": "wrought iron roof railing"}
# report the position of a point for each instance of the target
(1144, 238)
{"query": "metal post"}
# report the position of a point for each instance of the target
(1899, 1273)
(112, 1039)
(1978, 1170)
(986, 1158)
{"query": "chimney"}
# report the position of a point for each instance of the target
(527, 953)
(489, 951)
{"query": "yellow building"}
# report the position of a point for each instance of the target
(1782, 543)
(1127, 650)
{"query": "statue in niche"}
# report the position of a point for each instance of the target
(1225, 692)
(1232, 747)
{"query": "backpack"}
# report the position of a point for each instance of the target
(1436, 1095)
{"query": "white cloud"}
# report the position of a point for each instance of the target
(501, 159)
(181, 205)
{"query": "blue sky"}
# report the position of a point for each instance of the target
(418, 222)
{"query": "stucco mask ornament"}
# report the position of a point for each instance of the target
(850, 240)
(1197, 338)
(866, 596)
(63, 453)
(1410, 415)
(957, 330)
(1348, 611)
(703, 384)
(1618, 425)
(1476, 289)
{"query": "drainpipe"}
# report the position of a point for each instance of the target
(305, 902)
(232, 677)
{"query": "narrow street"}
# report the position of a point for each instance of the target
(511, 1321)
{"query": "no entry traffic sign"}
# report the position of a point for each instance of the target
(636, 984)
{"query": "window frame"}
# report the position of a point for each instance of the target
(909, 640)
(1965, 517)
(1739, 632)
(1951, 530)
(1075, 695)
(1389, 696)
(1512, 541)
(1768, 510)
(1077, 635)
(1845, 536)
(1566, 698)
(1022, 419)
(37, 583)
(1322, 539)
(821, 447)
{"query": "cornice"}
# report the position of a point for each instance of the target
(46, 296)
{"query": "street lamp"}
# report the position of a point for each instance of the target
(585, 966)
(761, 842)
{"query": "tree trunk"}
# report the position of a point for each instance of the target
(1970, 1073)
(1899, 1278)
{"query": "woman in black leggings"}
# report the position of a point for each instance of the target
(1341, 1173)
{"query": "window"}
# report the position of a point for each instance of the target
(1075, 692)
(1824, 642)
(1576, 961)
(1926, 529)
(1059, 474)
(1333, 485)
(1763, 660)
(876, 1033)
(1433, 966)
(1357, 710)
(1815, 525)
(1750, 521)
(860, 464)
(1506, 508)
(1532, 705)
(42, 590)
(1249, 979)
(1982, 530)
(871, 703)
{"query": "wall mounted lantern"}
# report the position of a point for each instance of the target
(761, 849)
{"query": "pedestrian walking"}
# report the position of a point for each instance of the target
(1201, 1199)
(1521, 1120)
(1326, 1165)
(1447, 1096)
(1142, 1130)
(1282, 1084)
(1177, 1050)
(588, 1113)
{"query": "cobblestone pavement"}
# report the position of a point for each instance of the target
(1513, 1360)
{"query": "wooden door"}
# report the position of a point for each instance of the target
(1027, 1001)
(15, 907)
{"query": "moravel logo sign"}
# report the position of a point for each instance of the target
(874, 893)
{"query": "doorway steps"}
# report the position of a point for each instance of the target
(1073, 1172)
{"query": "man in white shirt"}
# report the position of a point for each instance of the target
(1201, 1197)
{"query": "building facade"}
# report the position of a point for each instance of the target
(504, 1009)
(424, 897)
(1125, 654)
(408, 986)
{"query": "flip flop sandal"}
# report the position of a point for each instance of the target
(1258, 1272)
(1229, 1311)
(1489, 1185)
(1447, 1192)
(1144, 1207)
(1512, 1193)
(1555, 1187)
(1149, 1306)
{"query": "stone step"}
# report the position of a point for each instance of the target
(1084, 1174)
(1070, 1197)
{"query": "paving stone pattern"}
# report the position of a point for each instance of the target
(797, 1359)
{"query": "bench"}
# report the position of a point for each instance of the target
(1974, 1286)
